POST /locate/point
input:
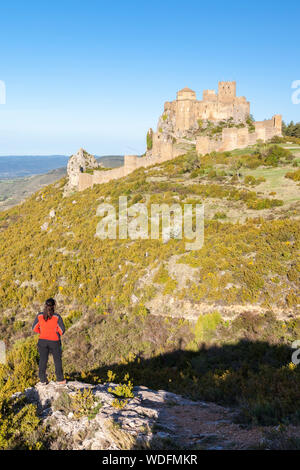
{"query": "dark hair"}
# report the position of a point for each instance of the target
(49, 309)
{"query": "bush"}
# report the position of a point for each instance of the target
(122, 392)
(252, 181)
(82, 403)
(220, 215)
(205, 327)
(293, 175)
(253, 163)
(266, 203)
(18, 421)
(275, 154)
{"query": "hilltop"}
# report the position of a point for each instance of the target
(214, 324)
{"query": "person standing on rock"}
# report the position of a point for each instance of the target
(50, 326)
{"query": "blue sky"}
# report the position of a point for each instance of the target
(96, 74)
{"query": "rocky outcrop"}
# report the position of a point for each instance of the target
(151, 419)
(79, 162)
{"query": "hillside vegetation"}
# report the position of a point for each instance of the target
(214, 324)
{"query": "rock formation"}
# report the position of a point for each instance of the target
(78, 163)
(151, 419)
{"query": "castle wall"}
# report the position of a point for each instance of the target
(277, 119)
(209, 95)
(207, 110)
(240, 109)
(163, 150)
(85, 180)
(205, 145)
(242, 137)
(260, 131)
(131, 163)
(229, 139)
(234, 137)
(161, 146)
(216, 111)
(252, 138)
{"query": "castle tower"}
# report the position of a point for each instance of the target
(186, 94)
(277, 119)
(227, 92)
(185, 109)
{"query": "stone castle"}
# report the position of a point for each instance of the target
(214, 107)
(219, 122)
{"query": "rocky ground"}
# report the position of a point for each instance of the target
(152, 419)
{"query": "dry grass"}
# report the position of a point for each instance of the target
(122, 439)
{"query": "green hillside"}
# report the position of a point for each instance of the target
(215, 323)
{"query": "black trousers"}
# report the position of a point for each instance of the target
(45, 347)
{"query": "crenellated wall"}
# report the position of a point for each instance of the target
(240, 137)
(131, 163)
(232, 138)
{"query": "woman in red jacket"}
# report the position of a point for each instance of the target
(50, 327)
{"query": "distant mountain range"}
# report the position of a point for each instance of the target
(111, 161)
(16, 166)
(21, 176)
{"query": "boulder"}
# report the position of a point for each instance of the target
(79, 162)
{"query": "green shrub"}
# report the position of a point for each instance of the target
(293, 175)
(82, 403)
(205, 326)
(252, 181)
(72, 318)
(162, 275)
(149, 141)
(220, 215)
(265, 203)
(275, 154)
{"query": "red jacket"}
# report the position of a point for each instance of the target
(52, 329)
